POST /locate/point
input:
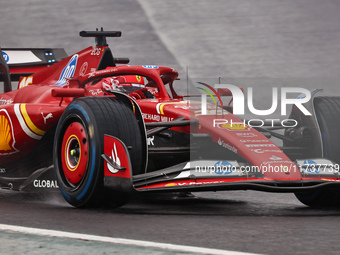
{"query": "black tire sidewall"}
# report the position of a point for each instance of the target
(327, 110)
(85, 191)
(99, 116)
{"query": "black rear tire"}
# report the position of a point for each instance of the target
(79, 144)
(327, 110)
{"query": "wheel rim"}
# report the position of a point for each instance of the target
(74, 153)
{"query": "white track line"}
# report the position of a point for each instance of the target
(84, 237)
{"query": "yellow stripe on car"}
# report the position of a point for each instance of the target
(29, 122)
(160, 106)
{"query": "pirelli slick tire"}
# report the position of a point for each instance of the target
(327, 110)
(320, 198)
(79, 144)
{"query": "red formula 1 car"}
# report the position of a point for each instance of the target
(111, 131)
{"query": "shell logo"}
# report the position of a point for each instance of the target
(7, 139)
(5, 134)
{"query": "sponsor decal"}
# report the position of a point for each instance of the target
(101, 72)
(48, 116)
(115, 158)
(83, 69)
(254, 141)
(264, 151)
(246, 134)
(68, 71)
(7, 139)
(233, 127)
(115, 150)
(170, 184)
(95, 92)
(166, 119)
(223, 168)
(312, 166)
(318, 166)
(260, 145)
(25, 82)
(275, 158)
(150, 141)
(156, 117)
(153, 117)
(191, 183)
(226, 145)
(50, 184)
(160, 106)
(5, 101)
(5, 56)
(277, 162)
(139, 78)
(20, 56)
(150, 66)
(92, 74)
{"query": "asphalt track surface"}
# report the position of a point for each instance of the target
(234, 39)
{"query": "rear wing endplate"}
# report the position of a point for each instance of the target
(26, 61)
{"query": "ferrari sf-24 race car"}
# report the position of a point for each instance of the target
(108, 131)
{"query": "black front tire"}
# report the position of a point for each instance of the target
(327, 110)
(79, 144)
(320, 198)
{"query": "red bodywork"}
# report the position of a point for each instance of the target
(26, 114)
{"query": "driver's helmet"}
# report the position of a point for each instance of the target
(126, 84)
